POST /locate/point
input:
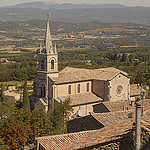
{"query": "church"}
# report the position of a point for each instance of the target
(86, 88)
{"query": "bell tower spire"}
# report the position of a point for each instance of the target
(48, 39)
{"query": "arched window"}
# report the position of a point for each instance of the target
(52, 64)
(43, 92)
(78, 88)
(69, 89)
(43, 64)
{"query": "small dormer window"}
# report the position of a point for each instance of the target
(87, 87)
(78, 88)
(69, 89)
(52, 64)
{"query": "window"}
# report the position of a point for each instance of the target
(119, 89)
(52, 64)
(87, 87)
(69, 89)
(78, 88)
(43, 64)
(43, 93)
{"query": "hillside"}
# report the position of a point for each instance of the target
(74, 13)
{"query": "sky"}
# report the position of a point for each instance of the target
(124, 2)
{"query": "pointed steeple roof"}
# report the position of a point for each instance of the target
(48, 39)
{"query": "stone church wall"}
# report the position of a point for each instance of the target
(100, 88)
(119, 80)
(62, 89)
(86, 108)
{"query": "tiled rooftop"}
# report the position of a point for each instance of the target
(81, 98)
(86, 138)
(125, 105)
(146, 104)
(98, 120)
(118, 106)
(117, 124)
(113, 117)
(146, 119)
(135, 91)
(76, 74)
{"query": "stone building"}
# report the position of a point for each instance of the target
(84, 87)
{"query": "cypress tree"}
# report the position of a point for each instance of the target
(2, 93)
(26, 104)
(124, 57)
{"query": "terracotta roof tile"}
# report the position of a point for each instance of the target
(83, 98)
(87, 138)
(112, 117)
(135, 91)
(76, 74)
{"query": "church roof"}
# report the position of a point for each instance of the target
(77, 74)
(80, 99)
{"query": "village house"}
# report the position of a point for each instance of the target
(12, 95)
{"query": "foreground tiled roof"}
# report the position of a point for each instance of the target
(86, 138)
(146, 117)
(113, 117)
(80, 99)
(146, 104)
(118, 106)
(76, 74)
(98, 120)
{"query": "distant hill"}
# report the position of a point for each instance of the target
(73, 13)
(45, 5)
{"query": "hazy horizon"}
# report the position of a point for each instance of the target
(127, 2)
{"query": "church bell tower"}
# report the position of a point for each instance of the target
(48, 57)
(48, 68)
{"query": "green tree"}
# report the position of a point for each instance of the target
(26, 104)
(60, 115)
(22, 115)
(148, 83)
(124, 57)
(42, 123)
